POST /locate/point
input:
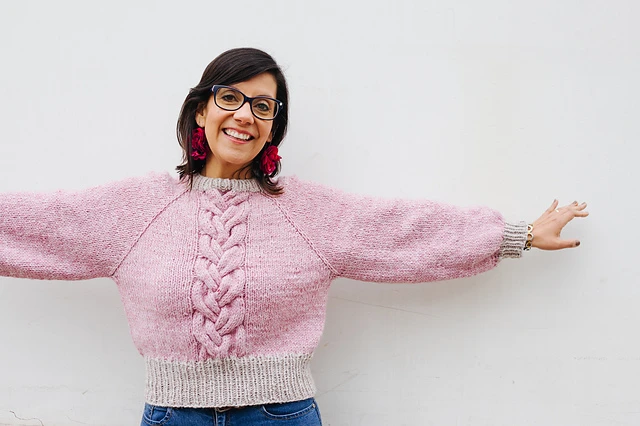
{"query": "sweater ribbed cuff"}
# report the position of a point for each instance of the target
(515, 236)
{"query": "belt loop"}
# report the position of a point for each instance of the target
(220, 417)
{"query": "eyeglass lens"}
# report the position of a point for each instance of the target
(232, 99)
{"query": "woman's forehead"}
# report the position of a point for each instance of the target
(261, 85)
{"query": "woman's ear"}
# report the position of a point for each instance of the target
(201, 114)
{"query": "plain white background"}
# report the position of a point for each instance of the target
(502, 103)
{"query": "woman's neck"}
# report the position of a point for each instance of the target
(216, 170)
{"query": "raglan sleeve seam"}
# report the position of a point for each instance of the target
(308, 240)
(162, 209)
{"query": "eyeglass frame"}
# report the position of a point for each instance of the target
(246, 99)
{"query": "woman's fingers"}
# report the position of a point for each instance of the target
(565, 244)
(564, 209)
(578, 206)
(574, 207)
(577, 210)
(569, 215)
(553, 206)
(550, 225)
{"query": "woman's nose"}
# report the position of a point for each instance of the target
(244, 114)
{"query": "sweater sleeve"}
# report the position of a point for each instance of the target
(397, 240)
(77, 235)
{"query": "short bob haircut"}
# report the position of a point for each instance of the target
(233, 66)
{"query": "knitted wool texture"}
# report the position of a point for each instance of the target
(225, 287)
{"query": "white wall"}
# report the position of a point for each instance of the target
(503, 103)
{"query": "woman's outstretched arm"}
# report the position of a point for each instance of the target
(73, 235)
(399, 240)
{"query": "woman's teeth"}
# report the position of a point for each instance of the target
(237, 135)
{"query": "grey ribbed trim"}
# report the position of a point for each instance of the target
(515, 236)
(239, 185)
(229, 382)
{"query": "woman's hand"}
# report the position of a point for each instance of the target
(546, 230)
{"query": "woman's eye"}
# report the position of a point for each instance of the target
(229, 98)
(263, 107)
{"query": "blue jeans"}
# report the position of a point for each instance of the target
(297, 413)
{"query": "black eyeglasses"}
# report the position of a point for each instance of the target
(231, 99)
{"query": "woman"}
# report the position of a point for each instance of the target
(224, 272)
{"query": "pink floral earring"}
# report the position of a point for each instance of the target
(198, 144)
(269, 160)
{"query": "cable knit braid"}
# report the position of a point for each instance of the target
(218, 288)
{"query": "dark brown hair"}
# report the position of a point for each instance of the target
(233, 66)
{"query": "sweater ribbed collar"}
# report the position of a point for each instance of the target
(203, 183)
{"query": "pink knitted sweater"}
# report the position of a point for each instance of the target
(225, 287)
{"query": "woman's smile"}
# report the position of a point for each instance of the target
(238, 136)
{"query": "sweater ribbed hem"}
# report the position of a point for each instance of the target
(203, 183)
(515, 236)
(229, 382)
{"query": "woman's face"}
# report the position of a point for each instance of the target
(227, 131)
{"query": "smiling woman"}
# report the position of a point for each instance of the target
(240, 103)
(224, 272)
(237, 136)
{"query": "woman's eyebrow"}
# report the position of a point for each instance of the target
(238, 89)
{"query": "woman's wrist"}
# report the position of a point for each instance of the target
(529, 242)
